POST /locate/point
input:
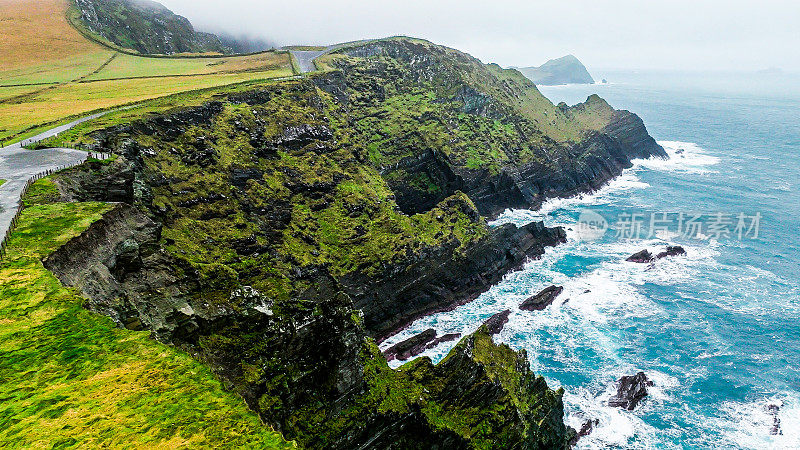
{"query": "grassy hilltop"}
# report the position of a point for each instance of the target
(49, 71)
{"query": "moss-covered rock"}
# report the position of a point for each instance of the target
(275, 231)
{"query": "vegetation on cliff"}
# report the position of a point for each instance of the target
(72, 379)
(145, 26)
(273, 229)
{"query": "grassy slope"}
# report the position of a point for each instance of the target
(50, 72)
(70, 378)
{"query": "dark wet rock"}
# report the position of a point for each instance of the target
(645, 256)
(240, 176)
(496, 323)
(773, 410)
(541, 300)
(442, 339)
(298, 137)
(630, 391)
(435, 281)
(641, 257)
(200, 152)
(672, 251)
(248, 246)
(97, 181)
(586, 430)
(410, 347)
(436, 169)
(202, 200)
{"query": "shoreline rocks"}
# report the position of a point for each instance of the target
(496, 323)
(644, 256)
(773, 411)
(417, 344)
(542, 300)
(630, 391)
(586, 430)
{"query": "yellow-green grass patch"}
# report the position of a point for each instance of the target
(70, 378)
(50, 107)
(129, 66)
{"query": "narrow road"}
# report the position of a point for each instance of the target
(305, 58)
(18, 164)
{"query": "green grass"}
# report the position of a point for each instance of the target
(52, 72)
(71, 379)
(41, 192)
(129, 66)
(2, 181)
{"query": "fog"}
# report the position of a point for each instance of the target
(626, 34)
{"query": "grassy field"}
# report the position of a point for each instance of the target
(71, 379)
(49, 72)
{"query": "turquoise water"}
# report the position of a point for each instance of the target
(717, 330)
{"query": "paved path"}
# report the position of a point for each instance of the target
(18, 164)
(305, 58)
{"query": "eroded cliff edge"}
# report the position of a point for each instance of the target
(275, 231)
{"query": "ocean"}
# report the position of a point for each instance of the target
(716, 330)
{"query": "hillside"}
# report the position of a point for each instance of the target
(276, 231)
(146, 27)
(50, 72)
(71, 379)
(565, 70)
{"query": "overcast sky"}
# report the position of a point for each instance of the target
(604, 34)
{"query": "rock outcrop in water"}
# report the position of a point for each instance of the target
(497, 322)
(630, 391)
(541, 300)
(645, 256)
(774, 410)
(417, 344)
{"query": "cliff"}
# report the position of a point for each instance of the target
(275, 231)
(146, 27)
(458, 124)
(565, 70)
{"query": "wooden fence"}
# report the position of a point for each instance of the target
(21, 204)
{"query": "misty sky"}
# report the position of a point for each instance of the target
(627, 34)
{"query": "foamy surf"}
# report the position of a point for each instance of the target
(684, 157)
(767, 423)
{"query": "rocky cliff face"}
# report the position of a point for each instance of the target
(260, 240)
(278, 230)
(458, 124)
(146, 27)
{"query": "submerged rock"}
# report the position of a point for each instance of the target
(586, 430)
(641, 257)
(645, 256)
(630, 391)
(444, 338)
(541, 300)
(773, 410)
(496, 323)
(676, 250)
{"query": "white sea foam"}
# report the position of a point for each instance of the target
(684, 157)
(749, 425)
(626, 181)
